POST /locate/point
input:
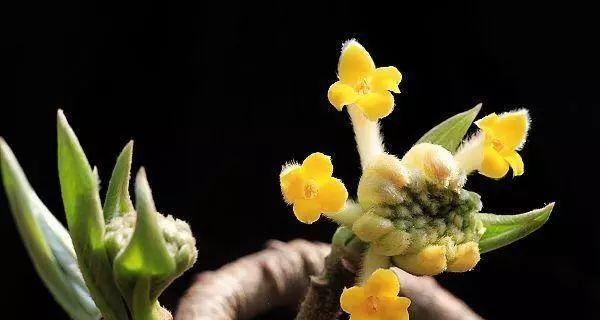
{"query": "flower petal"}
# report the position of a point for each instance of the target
(307, 210)
(383, 282)
(511, 129)
(385, 78)
(341, 95)
(332, 196)
(488, 122)
(353, 299)
(493, 165)
(376, 105)
(394, 308)
(318, 166)
(516, 162)
(355, 63)
(291, 180)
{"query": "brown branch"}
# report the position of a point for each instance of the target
(279, 276)
(322, 300)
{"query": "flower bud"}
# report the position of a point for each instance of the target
(148, 251)
(429, 261)
(392, 244)
(382, 181)
(467, 256)
(371, 226)
(180, 242)
(425, 227)
(436, 163)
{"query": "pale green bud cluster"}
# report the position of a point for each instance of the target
(424, 215)
(180, 242)
(415, 211)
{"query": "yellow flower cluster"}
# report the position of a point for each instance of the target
(311, 189)
(377, 299)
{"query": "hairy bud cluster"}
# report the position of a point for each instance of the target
(177, 234)
(424, 225)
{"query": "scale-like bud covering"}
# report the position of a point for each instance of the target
(426, 227)
(178, 237)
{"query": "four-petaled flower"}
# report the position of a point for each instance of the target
(311, 189)
(363, 85)
(377, 300)
(504, 135)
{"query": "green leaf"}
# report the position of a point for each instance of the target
(117, 201)
(502, 230)
(450, 133)
(147, 253)
(146, 261)
(85, 219)
(47, 241)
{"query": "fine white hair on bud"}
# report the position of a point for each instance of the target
(177, 234)
(470, 154)
(382, 179)
(436, 163)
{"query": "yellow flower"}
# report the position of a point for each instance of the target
(363, 85)
(504, 135)
(311, 189)
(377, 300)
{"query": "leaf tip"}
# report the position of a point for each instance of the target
(7, 158)
(62, 123)
(3, 147)
(60, 116)
(548, 210)
(127, 152)
(141, 174)
(129, 145)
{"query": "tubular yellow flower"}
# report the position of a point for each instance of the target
(311, 189)
(362, 84)
(377, 299)
(504, 135)
(494, 149)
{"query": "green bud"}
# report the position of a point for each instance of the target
(371, 226)
(149, 251)
(394, 243)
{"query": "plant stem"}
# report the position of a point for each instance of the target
(322, 301)
(369, 141)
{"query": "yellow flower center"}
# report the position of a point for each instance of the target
(310, 189)
(497, 144)
(362, 87)
(372, 304)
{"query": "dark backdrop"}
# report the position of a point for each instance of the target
(218, 96)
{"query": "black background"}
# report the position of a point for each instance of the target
(218, 96)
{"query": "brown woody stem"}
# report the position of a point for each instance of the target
(283, 273)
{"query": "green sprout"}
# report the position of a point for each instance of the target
(115, 260)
